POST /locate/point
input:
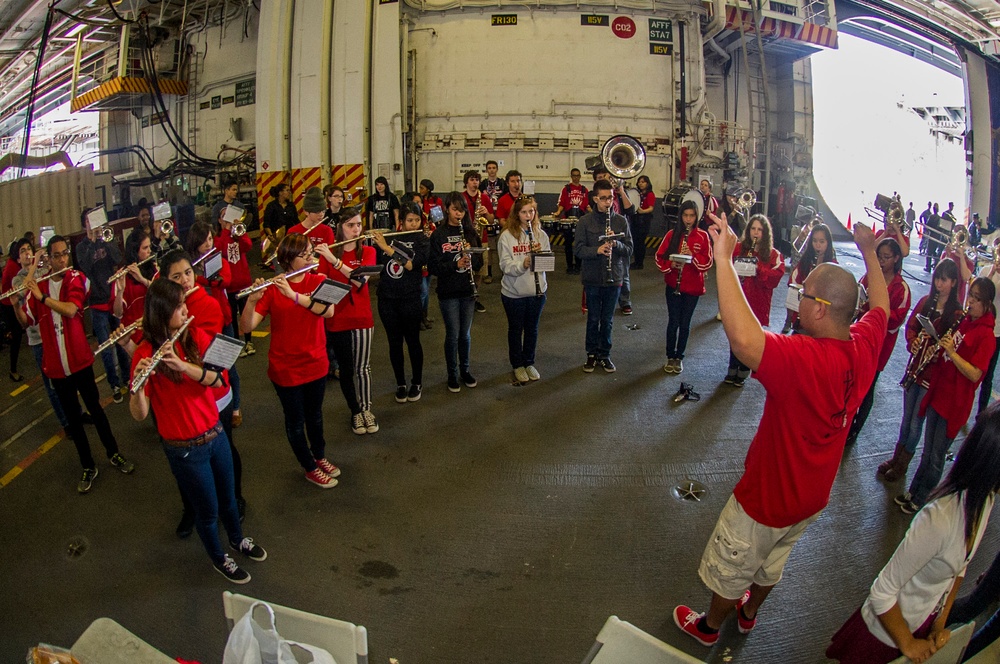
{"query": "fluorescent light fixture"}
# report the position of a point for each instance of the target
(75, 29)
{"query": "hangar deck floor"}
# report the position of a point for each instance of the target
(501, 524)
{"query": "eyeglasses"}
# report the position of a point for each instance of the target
(803, 294)
(605, 198)
(61, 254)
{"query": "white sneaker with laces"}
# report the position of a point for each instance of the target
(521, 375)
(532, 372)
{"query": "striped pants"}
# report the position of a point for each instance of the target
(353, 349)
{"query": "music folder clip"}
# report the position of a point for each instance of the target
(360, 273)
(613, 236)
(400, 255)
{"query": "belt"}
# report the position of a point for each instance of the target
(197, 440)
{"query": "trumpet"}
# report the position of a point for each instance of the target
(142, 376)
(118, 336)
(249, 290)
(166, 227)
(122, 272)
(22, 287)
(107, 234)
(239, 229)
(746, 200)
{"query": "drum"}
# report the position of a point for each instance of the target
(676, 197)
(493, 230)
(568, 224)
(549, 223)
(634, 197)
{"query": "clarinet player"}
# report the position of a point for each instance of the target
(604, 264)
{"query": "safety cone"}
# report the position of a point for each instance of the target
(848, 221)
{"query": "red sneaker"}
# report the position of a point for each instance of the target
(328, 467)
(321, 479)
(687, 620)
(745, 626)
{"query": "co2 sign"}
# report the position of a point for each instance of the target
(623, 27)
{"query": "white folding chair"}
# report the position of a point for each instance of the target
(107, 642)
(347, 642)
(988, 655)
(619, 641)
(952, 651)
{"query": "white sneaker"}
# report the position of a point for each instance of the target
(521, 375)
(358, 424)
(371, 426)
(532, 372)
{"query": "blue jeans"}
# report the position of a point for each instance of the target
(425, 292)
(103, 323)
(205, 476)
(303, 407)
(969, 607)
(625, 295)
(680, 310)
(53, 397)
(601, 302)
(457, 314)
(936, 444)
(234, 376)
(913, 424)
(523, 314)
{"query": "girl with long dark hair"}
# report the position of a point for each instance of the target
(129, 290)
(685, 280)
(196, 446)
(819, 249)
(942, 307)
(641, 220)
(455, 289)
(908, 606)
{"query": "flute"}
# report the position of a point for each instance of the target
(367, 235)
(22, 287)
(270, 282)
(122, 272)
(142, 376)
(118, 336)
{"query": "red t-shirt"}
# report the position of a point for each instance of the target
(354, 312)
(297, 354)
(899, 306)
(470, 203)
(504, 206)
(950, 393)
(814, 388)
(217, 289)
(133, 299)
(206, 311)
(10, 270)
(234, 251)
(759, 289)
(692, 275)
(318, 234)
(647, 200)
(574, 196)
(64, 342)
(186, 409)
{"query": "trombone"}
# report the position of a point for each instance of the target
(270, 282)
(142, 376)
(122, 272)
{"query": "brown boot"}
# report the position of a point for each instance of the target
(886, 466)
(898, 471)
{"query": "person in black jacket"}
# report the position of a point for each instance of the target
(280, 212)
(456, 290)
(399, 304)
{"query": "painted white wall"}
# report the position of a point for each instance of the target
(978, 112)
(310, 48)
(386, 93)
(348, 82)
(273, 63)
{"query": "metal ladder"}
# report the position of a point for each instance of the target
(755, 74)
(192, 102)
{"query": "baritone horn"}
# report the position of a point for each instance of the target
(623, 156)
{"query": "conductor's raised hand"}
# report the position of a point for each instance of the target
(723, 238)
(864, 238)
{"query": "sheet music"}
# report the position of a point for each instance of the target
(97, 218)
(792, 299)
(162, 211)
(232, 214)
(223, 352)
(928, 326)
(330, 292)
(543, 262)
(745, 268)
(212, 266)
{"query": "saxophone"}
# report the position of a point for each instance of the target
(929, 352)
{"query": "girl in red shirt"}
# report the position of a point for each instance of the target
(10, 269)
(685, 280)
(297, 363)
(349, 332)
(235, 252)
(130, 289)
(193, 439)
(890, 258)
(949, 399)
(757, 250)
(942, 307)
(819, 249)
(641, 221)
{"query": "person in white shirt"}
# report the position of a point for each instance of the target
(907, 608)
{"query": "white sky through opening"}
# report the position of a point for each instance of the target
(866, 144)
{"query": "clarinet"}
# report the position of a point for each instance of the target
(531, 249)
(680, 272)
(928, 355)
(462, 253)
(608, 232)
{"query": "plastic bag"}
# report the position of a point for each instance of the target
(251, 643)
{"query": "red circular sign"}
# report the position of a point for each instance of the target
(623, 27)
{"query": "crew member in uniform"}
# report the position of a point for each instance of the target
(56, 305)
(574, 202)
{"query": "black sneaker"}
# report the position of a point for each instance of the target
(609, 366)
(229, 569)
(454, 385)
(86, 418)
(186, 526)
(249, 549)
(401, 394)
(87, 481)
(469, 380)
(738, 382)
(627, 310)
(121, 463)
(480, 307)
(414, 393)
(117, 395)
(590, 365)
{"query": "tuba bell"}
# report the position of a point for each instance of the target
(623, 156)
(746, 200)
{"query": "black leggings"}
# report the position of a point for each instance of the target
(863, 410)
(83, 382)
(303, 407)
(237, 306)
(401, 318)
(16, 334)
(343, 349)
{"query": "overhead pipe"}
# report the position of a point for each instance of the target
(718, 22)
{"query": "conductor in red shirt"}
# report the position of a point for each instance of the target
(815, 382)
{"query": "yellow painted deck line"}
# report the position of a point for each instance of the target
(260, 333)
(30, 459)
(19, 390)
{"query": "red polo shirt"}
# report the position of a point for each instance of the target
(297, 354)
